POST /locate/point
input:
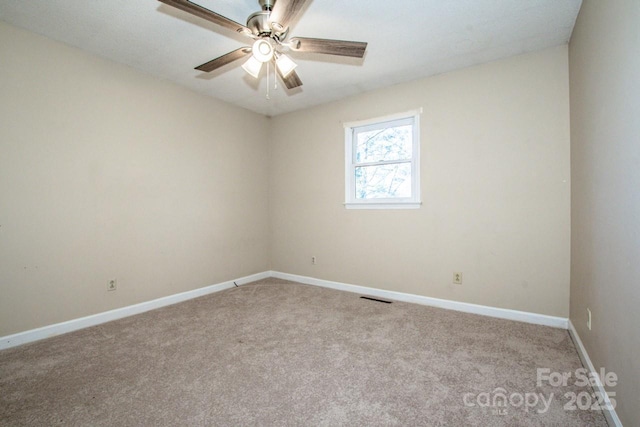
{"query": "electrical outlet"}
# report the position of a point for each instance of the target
(112, 285)
(589, 319)
(457, 278)
(313, 260)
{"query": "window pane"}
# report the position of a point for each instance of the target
(390, 143)
(383, 181)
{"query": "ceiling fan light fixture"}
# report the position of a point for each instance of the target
(262, 50)
(269, 30)
(285, 64)
(252, 66)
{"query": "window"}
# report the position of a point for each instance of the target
(383, 163)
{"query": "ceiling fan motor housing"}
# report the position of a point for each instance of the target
(259, 25)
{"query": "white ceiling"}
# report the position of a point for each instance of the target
(408, 39)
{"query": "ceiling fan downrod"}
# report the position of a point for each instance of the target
(267, 4)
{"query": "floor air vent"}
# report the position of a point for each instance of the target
(377, 300)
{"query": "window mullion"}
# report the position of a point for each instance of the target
(382, 163)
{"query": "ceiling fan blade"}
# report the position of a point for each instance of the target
(285, 11)
(291, 81)
(329, 47)
(207, 14)
(224, 59)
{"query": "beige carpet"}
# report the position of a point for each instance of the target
(277, 353)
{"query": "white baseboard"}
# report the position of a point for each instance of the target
(502, 313)
(107, 316)
(611, 414)
(96, 319)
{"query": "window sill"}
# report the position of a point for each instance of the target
(368, 205)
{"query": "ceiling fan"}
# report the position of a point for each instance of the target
(269, 28)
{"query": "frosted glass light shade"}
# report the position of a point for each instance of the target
(285, 65)
(252, 66)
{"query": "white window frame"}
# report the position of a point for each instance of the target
(351, 202)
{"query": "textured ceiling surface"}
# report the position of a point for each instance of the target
(408, 40)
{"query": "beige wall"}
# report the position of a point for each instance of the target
(605, 164)
(107, 172)
(495, 190)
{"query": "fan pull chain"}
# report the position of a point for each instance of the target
(275, 78)
(268, 69)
